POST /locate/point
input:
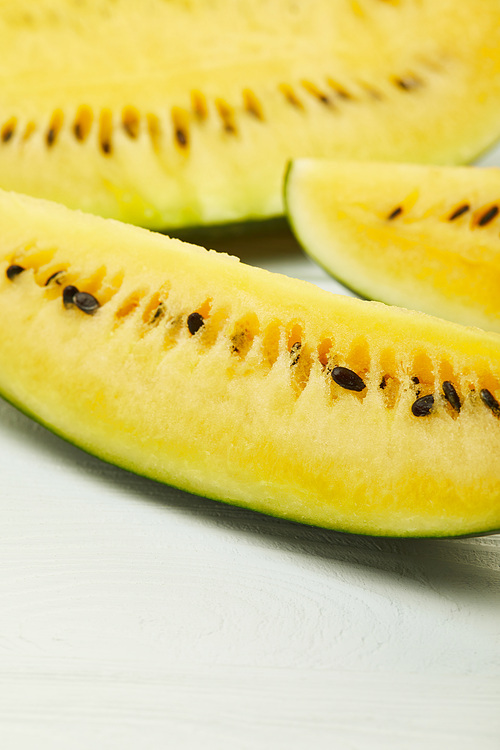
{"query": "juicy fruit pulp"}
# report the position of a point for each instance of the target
(411, 235)
(239, 384)
(174, 113)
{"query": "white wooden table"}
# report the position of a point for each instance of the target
(135, 616)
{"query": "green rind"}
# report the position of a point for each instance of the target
(213, 235)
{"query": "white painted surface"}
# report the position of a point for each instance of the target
(135, 616)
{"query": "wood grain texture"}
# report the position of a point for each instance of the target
(133, 615)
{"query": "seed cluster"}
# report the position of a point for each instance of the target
(84, 301)
(344, 377)
(481, 218)
(329, 92)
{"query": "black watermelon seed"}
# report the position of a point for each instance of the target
(69, 295)
(181, 137)
(347, 379)
(86, 302)
(383, 383)
(394, 214)
(14, 270)
(52, 278)
(458, 212)
(408, 83)
(451, 395)
(415, 380)
(158, 313)
(488, 216)
(489, 399)
(295, 353)
(422, 406)
(343, 94)
(195, 321)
